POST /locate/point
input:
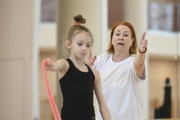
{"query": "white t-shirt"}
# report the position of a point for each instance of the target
(120, 86)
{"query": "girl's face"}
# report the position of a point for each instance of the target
(121, 39)
(80, 45)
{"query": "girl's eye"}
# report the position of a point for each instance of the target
(88, 45)
(80, 44)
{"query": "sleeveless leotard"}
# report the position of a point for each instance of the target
(77, 90)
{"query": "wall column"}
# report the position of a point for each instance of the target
(136, 13)
(17, 60)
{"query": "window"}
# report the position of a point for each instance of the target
(163, 16)
(115, 11)
(48, 10)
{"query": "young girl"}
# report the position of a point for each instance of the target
(78, 80)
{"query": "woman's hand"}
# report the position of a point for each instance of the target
(143, 44)
(90, 61)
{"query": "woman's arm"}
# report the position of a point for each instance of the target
(100, 97)
(140, 57)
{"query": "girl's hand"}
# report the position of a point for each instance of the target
(49, 64)
(143, 44)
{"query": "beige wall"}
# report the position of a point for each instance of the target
(16, 59)
(47, 35)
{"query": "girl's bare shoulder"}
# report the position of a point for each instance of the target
(96, 72)
(63, 63)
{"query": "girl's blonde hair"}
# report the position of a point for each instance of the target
(74, 30)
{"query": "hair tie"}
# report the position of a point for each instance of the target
(77, 23)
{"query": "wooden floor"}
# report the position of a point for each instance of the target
(165, 119)
(45, 110)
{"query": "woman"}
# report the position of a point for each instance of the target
(122, 72)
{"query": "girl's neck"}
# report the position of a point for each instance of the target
(77, 62)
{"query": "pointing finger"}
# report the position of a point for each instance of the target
(143, 36)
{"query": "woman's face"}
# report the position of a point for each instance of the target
(122, 39)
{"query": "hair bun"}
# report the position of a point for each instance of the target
(79, 18)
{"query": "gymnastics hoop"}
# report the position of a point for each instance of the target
(50, 97)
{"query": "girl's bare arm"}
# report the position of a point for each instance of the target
(55, 66)
(100, 97)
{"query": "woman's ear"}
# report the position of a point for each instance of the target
(68, 44)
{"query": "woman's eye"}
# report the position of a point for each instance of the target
(117, 34)
(126, 35)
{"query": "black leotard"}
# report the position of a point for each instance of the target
(77, 90)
